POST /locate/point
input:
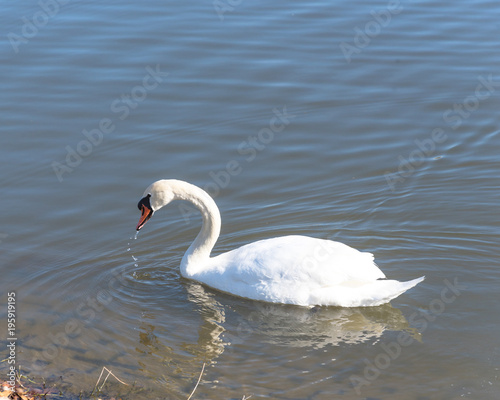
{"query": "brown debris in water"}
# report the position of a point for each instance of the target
(22, 393)
(35, 391)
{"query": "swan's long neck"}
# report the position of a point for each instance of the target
(198, 254)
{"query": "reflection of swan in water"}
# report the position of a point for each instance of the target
(228, 323)
(210, 344)
(324, 325)
(239, 321)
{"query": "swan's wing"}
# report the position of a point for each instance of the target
(304, 257)
(280, 267)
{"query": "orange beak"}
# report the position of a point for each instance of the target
(146, 211)
(146, 214)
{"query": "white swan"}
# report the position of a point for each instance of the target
(291, 269)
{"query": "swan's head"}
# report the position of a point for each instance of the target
(156, 196)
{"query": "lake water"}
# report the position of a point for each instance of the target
(372, 123)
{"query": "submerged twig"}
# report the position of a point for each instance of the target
(105, 379)
(197, 383)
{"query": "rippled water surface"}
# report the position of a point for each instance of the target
(375, 124)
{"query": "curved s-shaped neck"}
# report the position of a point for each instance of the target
(198, 254)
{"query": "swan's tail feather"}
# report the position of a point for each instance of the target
(394, 289)
(366, 294)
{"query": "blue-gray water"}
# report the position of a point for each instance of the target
(371, 123)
